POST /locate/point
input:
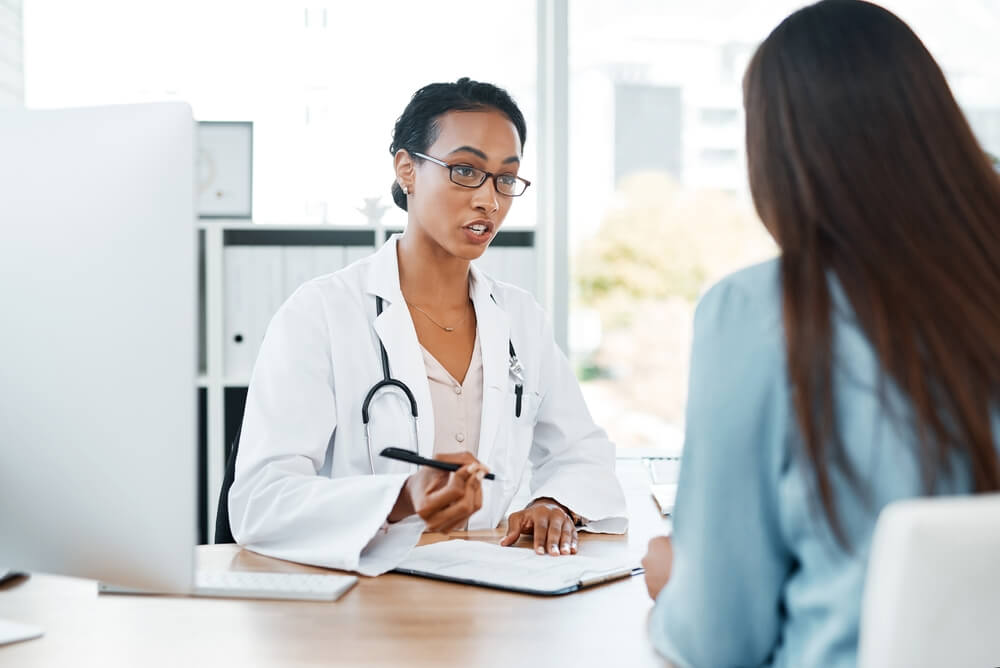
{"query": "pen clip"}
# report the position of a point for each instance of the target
(516, 370)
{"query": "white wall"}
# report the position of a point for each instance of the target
(11, 53)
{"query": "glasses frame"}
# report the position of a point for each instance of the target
(486, 175)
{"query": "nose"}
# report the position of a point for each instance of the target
(485, 197)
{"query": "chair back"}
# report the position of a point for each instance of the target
(932, 593)
(224, 532)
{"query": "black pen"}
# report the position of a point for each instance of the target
(410, 456)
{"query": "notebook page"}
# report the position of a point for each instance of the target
(514, 567)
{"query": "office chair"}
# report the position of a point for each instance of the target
(223, 531)
(932, 595)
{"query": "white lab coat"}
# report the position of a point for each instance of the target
(304, 489)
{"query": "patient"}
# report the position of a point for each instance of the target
(858, 368)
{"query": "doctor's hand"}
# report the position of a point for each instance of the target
(658, 563)
(552, 526)
(445, 500)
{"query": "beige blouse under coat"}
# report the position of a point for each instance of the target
(458, 407)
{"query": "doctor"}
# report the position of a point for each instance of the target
(415, 347)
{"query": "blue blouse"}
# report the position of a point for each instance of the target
(757, 577)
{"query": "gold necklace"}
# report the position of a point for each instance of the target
(428, 316)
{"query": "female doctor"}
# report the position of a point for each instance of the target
(414, 347)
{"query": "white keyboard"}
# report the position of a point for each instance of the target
(289, 586)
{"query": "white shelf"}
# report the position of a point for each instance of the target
(242, 224)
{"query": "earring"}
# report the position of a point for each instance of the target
(406, 191)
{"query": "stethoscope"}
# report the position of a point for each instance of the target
(388, 382)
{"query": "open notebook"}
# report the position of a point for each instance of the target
(512, 568)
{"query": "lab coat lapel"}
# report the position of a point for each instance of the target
(395, 329)
(494, 335)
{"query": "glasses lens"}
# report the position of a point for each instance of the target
(510, 185)
(467, 176)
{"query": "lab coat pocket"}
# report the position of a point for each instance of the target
(520, 434)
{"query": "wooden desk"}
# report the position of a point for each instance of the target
(392, 620)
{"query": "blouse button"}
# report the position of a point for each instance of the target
(458, 389)
(459, 437)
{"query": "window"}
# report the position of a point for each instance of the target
(659, 204)
(658, 199)
(648, 129)
(322, 82)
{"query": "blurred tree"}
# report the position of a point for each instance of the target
(652, 256)
(663, 241)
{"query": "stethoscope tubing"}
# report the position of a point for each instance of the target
(389, 382)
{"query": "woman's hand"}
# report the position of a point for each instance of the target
(658, 562)
(445, 500)
(552, 526)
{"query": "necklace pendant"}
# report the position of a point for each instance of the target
(449, 329)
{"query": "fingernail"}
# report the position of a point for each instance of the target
(481, 474)
(565, 549)
(540, 550)
(554, 549)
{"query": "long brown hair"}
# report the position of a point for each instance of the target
(863, 168)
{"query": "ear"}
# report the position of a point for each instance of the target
(405, 173)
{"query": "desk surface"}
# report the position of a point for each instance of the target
(391, 620)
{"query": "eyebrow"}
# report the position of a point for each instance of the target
(478, 153)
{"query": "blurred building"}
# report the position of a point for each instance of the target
(667, 105)
(658, 86)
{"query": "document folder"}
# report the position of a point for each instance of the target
(514, 569)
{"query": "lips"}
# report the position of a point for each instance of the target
(480, 227)
(479, 232)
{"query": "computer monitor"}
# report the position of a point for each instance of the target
(98, 343)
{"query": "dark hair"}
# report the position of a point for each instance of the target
(863, 167)
(417, 128)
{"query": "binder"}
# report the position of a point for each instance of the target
(254, 288)
(515, 569)
(354, 253)
(257, 280)
(300, 266)
(328, 259)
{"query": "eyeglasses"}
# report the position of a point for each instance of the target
(473, 177)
